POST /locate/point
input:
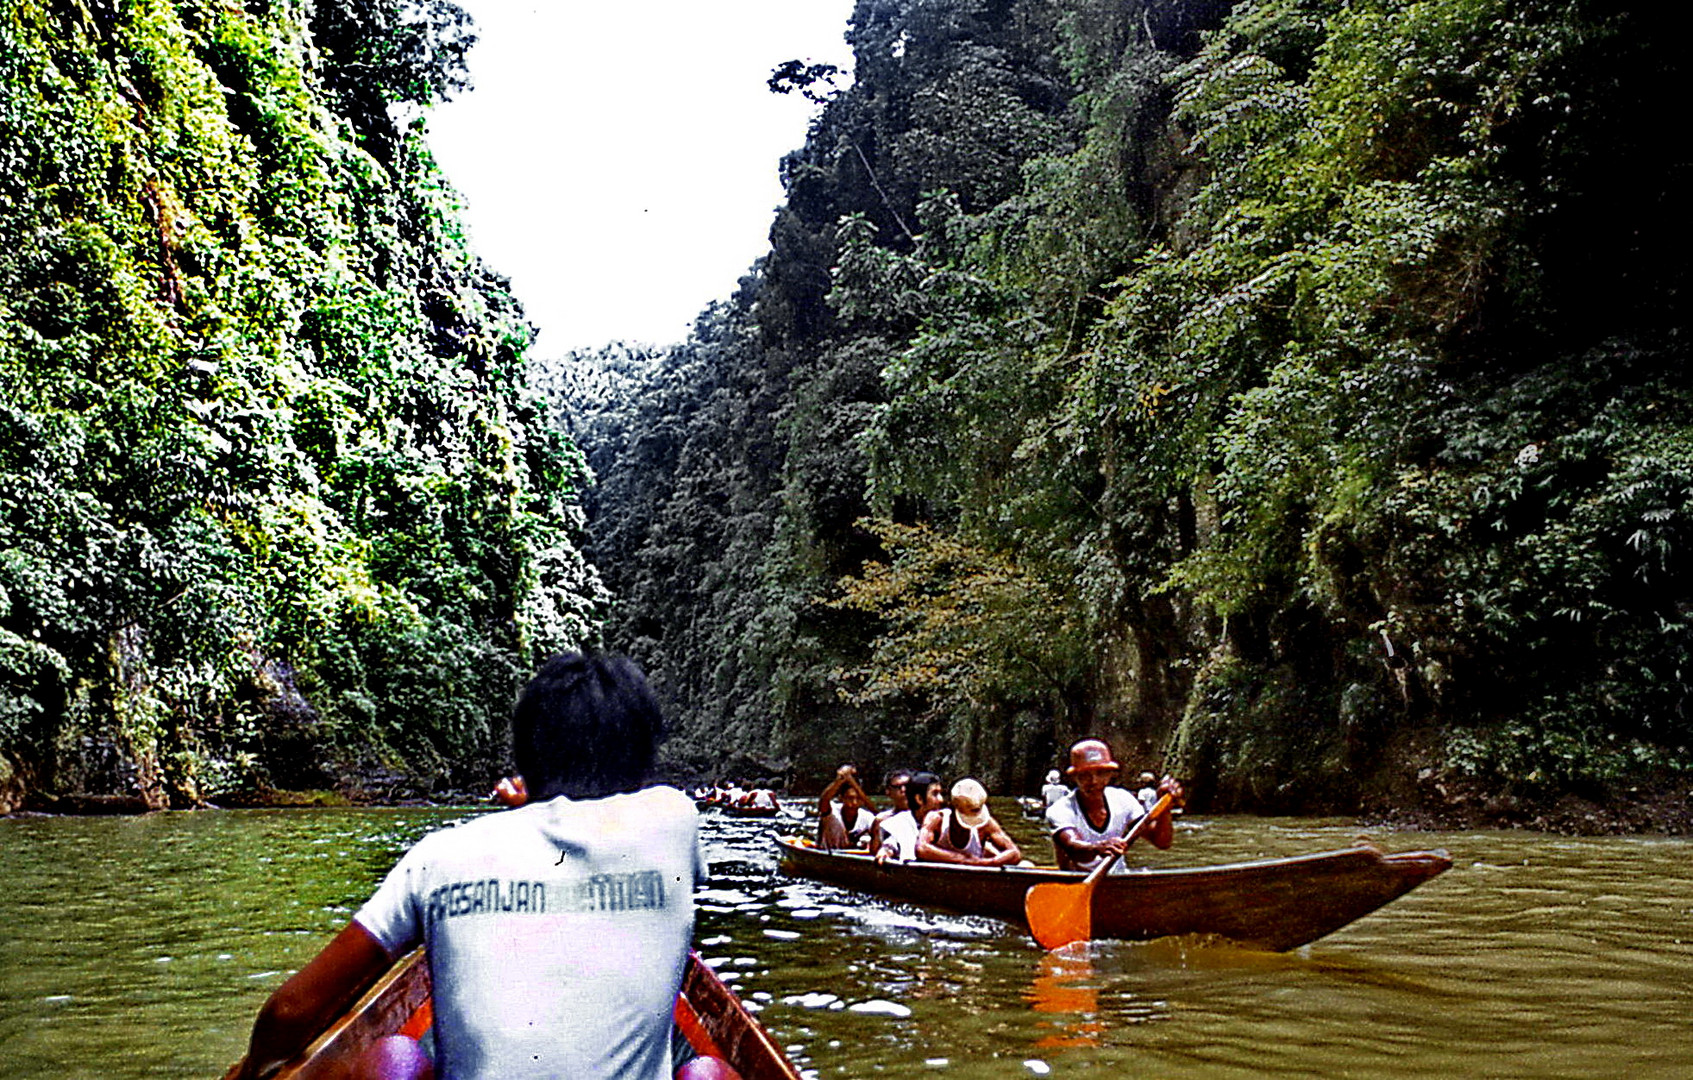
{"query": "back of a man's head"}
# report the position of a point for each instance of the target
(586, 726)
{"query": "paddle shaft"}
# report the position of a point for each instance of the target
(1159, 807)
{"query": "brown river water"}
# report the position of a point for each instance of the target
(141, 947)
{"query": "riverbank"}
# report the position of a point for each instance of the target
(1663, 805)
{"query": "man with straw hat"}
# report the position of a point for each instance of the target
(965, 832)
(1089, 823)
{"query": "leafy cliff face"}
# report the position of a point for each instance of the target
(1290, 390)
(273, 504)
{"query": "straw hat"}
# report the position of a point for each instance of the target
(970, 803)
(1052, 777)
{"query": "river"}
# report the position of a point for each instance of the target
(141, 947)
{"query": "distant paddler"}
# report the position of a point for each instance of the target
(1090, 823)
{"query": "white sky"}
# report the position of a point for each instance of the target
(619, 157)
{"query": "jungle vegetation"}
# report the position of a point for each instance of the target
(1291, 390)
(277, 508)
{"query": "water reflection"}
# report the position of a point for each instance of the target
(1064, 989)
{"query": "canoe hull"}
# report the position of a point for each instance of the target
(1275, 904)
(707, 1012)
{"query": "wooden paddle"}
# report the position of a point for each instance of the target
(1059, 914)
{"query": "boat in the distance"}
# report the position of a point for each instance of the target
(1275, 904)
(708, 1014)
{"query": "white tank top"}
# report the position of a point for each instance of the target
(972, 847)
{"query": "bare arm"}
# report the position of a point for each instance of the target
(928, 849)
(303, 1006)
(1073, 850)
(1006, 852)
(824, 800)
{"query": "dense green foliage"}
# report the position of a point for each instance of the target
(1292, 390)
(275, 505)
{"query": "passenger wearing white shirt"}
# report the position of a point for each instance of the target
(557, 933)
(847, 823)
(924, 794)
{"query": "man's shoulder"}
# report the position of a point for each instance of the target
(1123, 797)
(1062, 813)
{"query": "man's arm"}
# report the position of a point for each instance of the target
(928, 849)
(1073, 848)
(303, 1006)
(843, 776)
(877, 833)
(1006, 852)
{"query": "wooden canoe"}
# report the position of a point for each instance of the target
(708, 1014)
(1274, 904)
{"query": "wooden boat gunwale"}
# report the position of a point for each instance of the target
(707, 1011)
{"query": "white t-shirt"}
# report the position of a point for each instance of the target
(900, 834)
(557, 934)
(1051, 793)
(1067, 813)
(861, 823)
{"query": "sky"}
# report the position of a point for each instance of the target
(619, 157)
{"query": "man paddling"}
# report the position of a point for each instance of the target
(556, 933)
(1089, 823)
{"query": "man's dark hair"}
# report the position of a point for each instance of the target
(895, 774)
(586, 726)
(917, 787)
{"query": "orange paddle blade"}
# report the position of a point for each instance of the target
(1059, 914)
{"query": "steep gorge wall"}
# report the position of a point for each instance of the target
(1278, 387)
(275, 508)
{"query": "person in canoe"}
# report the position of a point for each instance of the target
(556, 933)
(894, 785)
(965, 832)
(762, 797)
(1090, 822)
(1053, 789)
(923, 796)
(847, 823)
